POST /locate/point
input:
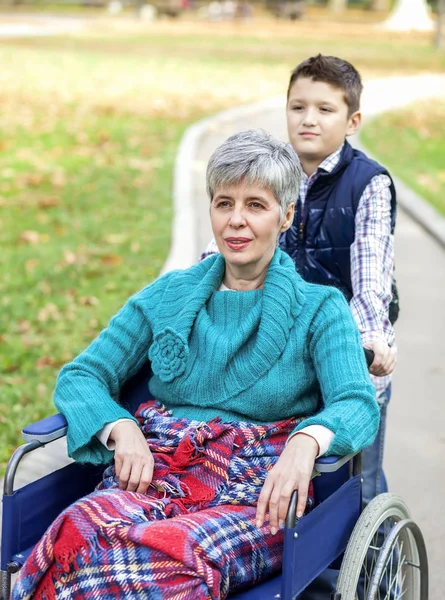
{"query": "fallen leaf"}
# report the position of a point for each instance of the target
(88, 300)
(42, 389)
(24, 326)
(116, 238)
(31, 264)
(49, 312)
(49, 202)
(30, 237)
(111, 259)
(34, 179)
(58, 179)
(44, 361)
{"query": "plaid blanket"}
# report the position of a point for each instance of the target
(191, 537)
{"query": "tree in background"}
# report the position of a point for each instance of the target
(380, 5)
(337, 5)
(409, 15)
(440, 23)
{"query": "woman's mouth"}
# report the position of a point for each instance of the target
(237, 243)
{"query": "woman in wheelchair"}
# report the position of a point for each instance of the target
(255, 374)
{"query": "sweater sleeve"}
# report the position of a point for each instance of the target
(349, 408)
(88, 387)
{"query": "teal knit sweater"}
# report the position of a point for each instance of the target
(290, 349)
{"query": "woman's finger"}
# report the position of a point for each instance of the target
(285, 497)
(263, 502)
(146, 477)
(274, 504)
(303, 487)
(135, 475)
(124, 474)
(117, 465)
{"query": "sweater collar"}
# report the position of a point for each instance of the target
(186, 295)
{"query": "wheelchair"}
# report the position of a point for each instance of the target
(380, 551)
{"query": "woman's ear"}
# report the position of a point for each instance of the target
(288, 218)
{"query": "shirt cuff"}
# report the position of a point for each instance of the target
(368, 337)
(104, 434)
(321, 434)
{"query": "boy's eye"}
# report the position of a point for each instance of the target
(325, 109)
(297, 107)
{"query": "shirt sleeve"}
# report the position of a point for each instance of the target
(104, 434)
(372, 263)
(322, 435)
(212, 248)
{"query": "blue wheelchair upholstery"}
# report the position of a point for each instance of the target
(311, 543)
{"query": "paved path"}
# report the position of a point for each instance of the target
(35, 25)
(415, 453)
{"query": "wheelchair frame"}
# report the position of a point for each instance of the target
(332, 522)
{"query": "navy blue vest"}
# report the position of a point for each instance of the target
(323, 230)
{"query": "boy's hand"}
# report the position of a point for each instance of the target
(292, 471)
(132, 458)
(384, 359)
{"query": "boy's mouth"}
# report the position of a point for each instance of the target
(309, 134)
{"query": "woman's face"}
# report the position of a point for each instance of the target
(246, 221)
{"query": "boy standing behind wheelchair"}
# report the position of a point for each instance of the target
(342, 233)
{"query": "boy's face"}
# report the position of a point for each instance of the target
(317, 119)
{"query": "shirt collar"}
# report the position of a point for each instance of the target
(328, 164)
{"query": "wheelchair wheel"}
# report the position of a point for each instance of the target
(385, 558)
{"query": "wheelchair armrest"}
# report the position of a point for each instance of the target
(329, 464)
(47, 430)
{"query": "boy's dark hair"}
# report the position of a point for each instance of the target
(337, 72)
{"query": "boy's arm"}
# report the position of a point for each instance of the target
(212, 248)
(372, 264)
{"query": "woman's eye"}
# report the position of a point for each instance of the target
(222, 204)
(256, 205)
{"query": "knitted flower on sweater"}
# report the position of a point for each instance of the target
(168, 354)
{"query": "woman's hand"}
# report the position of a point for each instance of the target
(132, 457)
(384, 359)
(292, 471)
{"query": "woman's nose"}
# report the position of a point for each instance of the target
(237, 218)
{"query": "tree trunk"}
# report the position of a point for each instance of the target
(337, 5)
(409, 15)
(380, 5)
(440, 23)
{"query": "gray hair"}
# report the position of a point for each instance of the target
(256, 158)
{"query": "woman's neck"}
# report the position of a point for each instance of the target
(244, 279)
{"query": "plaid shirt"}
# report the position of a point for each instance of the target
(372, 259)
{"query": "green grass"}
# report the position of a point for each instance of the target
(85, 222)
(420, 132)
(89, 126)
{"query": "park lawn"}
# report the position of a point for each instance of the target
(89, 129)
(412, 143)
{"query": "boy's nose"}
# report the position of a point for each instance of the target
(309, 118)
